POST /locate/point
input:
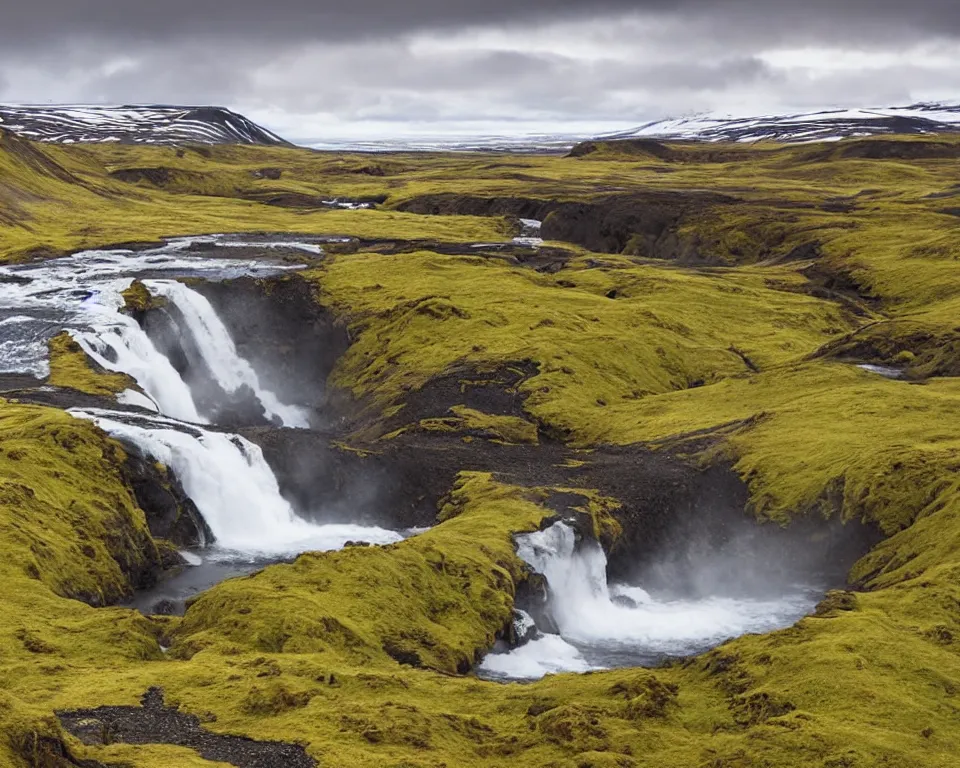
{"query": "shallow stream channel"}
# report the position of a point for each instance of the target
(172, 419)
(194, 386)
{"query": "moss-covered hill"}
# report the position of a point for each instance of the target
(698, 300)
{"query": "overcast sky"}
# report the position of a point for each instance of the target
(312, 69)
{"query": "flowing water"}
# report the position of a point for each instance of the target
(234, 488)
(224, 474)
(597, 625)
(601, 625)
(529, 236)
(888, 372)
(81, 292)
(529, 233)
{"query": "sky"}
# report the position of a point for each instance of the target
(313, 69)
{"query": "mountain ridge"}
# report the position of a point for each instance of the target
(819, 125)
(134, 124)
(173, 125)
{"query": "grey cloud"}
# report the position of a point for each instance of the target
(295, 20)
(691, 76)
(205, 76)
(434, 61)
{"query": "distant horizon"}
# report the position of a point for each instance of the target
(335, 134)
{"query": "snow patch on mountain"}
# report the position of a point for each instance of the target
(172, 125)
(825, 125)
(168, 125)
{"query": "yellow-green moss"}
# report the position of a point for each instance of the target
(71, 368)
(138, 299)
(296, 653)
(667, 330)
(69, 522)
(436, 600)
(37, 182)
(69, 527)
(507, 429)
(722, 361)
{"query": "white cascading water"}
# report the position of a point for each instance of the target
(219, 352)
(234, 488)
(225, 475)
(118, 343)
(598, 623)
(529, 233)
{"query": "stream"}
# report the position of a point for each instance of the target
(224, 474)
(176, 419)
(593, 625)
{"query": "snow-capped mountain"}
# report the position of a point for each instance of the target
(827, 125)
(172, 125)
(69, 124)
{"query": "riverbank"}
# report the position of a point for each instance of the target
(490, 395)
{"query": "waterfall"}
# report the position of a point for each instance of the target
(219, 352)
(232, 485)
(118, 343)
(225, 475)
(529, 233)
(577, 576)
(602, 625)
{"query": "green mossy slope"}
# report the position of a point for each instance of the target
(602, 338)
(57, 199)
(437, 600)
(69, 528)
(829, 255)
(71, 368)
(871, 679)
(306, 652)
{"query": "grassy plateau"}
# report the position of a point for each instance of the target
(705, 300)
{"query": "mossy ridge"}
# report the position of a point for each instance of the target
(69, 528)
(417, 316)
(71, 368)
(857, 685)
(61, 487)
(40, 180)
(602, 337)
(471, 422)
(437, 600)
(890, 461)
(882, 217)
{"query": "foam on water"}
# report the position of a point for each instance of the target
(886, 371)
(118, 343)
(191, 558)
(137, 399)
(548, 654)
(233, 487)
(605, 626)
(529, 233)
(81, 293)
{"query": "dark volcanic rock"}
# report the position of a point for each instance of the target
(289, 338)
(155, 723)
(448, 204)
(170, 513)
(42, 751)
(642, 224)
